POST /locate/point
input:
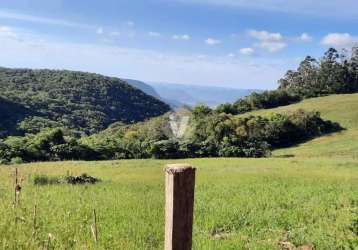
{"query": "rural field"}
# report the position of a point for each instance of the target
(303, 196)
(179, 125)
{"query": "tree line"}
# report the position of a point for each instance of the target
(211, 134)
(334, 73)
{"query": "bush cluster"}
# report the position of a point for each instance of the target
(48, 145)
(42, 179)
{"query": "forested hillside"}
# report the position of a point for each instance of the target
(82, 101)
(10, 115)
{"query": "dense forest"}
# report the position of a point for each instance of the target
(334, 73)
(32, 100)
(10, 114)
(53, 106)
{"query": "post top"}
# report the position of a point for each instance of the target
(177, 168)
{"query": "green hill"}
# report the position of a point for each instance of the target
(77, 100)
(337, 108)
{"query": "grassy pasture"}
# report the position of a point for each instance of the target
(309, 199)
(240, 204)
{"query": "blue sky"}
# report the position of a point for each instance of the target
(232, 43)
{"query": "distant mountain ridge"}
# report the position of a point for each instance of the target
(191, 95)
(149, 90)
(177, 95)
(146, 88)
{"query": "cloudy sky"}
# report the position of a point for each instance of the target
(232, 43)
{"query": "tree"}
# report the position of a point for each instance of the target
(334, 73)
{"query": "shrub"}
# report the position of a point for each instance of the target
(52, 180)
(46, 180)
(82, 179)
(16, 160)
(288, 129)
(167, 149)
(252, 136)
(4, 162)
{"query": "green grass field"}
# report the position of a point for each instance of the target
(308, 199)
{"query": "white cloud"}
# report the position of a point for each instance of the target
(304, 37)
(339, 40)
(211, 41)
(247, 51)
(115, 33)
(99, 31)
(272, 46)
(266, 36)
(184, 37)
(271, 42)
(154, 34)
(201, 56)
(231, 55)
(7, 32)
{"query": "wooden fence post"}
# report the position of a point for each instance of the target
(179, 206)
(16, 182)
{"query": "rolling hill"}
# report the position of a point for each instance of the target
(83, 101)
(338, 108)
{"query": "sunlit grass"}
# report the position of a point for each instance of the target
(240, 204)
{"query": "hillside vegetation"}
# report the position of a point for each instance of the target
(211, 134)
(11, 114)
(338, 108)
(76, 100)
